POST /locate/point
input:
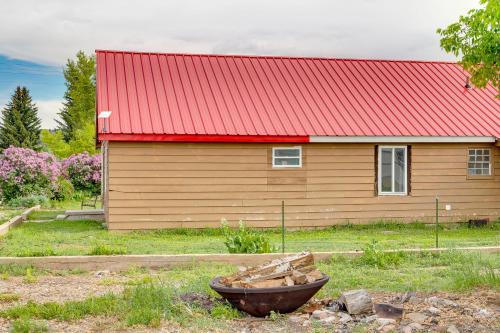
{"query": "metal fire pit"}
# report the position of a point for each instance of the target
(259, 302)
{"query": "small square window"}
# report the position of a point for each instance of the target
(479, 162)
(289, 157)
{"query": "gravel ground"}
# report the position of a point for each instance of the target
(476, 311)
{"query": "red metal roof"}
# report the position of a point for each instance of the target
(175, 97)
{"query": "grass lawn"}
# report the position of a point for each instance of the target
(8, 213)
(150, 299)
(89, 237)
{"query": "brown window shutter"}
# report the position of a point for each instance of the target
(375, 189)
(408, 163)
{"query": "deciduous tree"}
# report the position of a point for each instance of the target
(475, 38)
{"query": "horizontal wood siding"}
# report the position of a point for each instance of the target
(173, 185)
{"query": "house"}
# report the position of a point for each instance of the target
(192, 139)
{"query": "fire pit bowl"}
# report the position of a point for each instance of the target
(259, 302)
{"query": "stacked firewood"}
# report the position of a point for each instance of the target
(289, 271)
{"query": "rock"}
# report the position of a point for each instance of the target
(357, 301)
(416, 326)
(407, 296)
(386, 328)
(452, 329)
(101, 274)
(433, 311)
(295, 319)
(483, 313)
(344, 318)
(369, 319)
(406, 329)
(417, 317)
(306, 323)
(436, 301)
(385, 321)
(328, 321)
(388, 311)
(333, 307)
(319, 314)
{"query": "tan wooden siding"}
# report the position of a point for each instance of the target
(172, 185)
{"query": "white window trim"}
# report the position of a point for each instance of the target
(490, 162)
(287, 148)
(379, 166)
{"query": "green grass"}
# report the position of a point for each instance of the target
(8, 297)
(89, 237)
(157, 298)
(28, 326)
(6, 214)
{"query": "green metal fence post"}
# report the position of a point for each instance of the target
(283, 226)
(437, 222)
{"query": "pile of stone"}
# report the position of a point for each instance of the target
(289, 271)
(408, 313)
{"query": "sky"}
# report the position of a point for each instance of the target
(37, 38)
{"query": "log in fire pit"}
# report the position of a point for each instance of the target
(282, 285)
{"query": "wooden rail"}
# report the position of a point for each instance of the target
(16, 220)
(123, 262)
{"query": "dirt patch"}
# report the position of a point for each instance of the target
(475, 311)
(60, 288)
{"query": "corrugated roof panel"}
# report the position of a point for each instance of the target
(213, 95)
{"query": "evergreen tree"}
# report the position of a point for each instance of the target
(79, 105)
(20, 123)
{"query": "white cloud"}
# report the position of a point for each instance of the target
(47, 111)
(53, 30)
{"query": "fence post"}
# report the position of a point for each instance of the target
(283, 226)
(437, 222)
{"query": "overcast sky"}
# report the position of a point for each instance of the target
(46, 33)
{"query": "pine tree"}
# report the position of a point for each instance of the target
(79, 105)
(20, 122)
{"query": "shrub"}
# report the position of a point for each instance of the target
(29, 201)
(84, 171)
(64, 190)
(25, 172)
(245, 240)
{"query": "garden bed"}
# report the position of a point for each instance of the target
(180, 298)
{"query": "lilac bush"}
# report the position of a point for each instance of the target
(24, 172)
(84, 172)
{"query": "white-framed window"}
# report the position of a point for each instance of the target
(287, 157)
(479, 162)
(392, 170)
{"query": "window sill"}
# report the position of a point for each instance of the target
(479, 177)
(392, 194)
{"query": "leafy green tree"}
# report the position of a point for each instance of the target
(20, 123)
(79, 105)
(83, 140)
(476, 39)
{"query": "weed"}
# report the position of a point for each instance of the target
(105, 250)
(29, 277)
(245, 240)
(275, 316)
(224, 311)
(5, 276)
(28, 326)
(374, 254)
(8, 297)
